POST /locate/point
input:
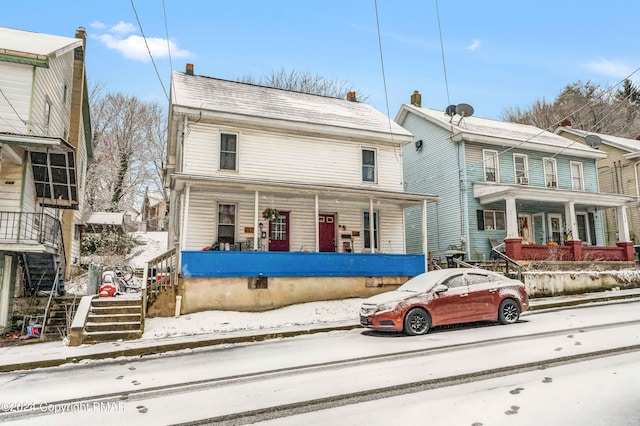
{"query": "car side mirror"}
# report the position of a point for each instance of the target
(441, 288)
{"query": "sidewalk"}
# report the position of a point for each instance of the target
(33, 355)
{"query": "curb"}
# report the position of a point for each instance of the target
(214, 341)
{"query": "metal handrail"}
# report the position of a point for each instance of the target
(30, 228)
(508, 261)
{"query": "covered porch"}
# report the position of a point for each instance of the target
(553, 224)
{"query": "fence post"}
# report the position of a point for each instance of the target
(95, 271)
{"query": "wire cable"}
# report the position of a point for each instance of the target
(12, 107)
(166, 32)
(133, 6)
(384, 79)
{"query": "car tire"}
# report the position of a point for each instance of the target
(417, 322)
(508, 312)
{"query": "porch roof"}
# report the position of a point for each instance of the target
(488, 193)
(405, 198)
(53, 164)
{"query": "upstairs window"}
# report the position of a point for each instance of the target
(491, 172)
(577, 178)
(47, 117)
(520, 165)
(228, 151)
(550, 173)
(368, 165)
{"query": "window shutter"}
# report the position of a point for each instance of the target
(480, 216)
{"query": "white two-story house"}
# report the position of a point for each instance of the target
(45, 145)
(280, 197)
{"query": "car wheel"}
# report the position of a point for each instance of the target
(509, 311)
(416, 322)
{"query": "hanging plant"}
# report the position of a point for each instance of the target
(271, 215)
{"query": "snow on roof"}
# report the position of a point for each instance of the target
(19, 43)
(155, 198)
(105, 218)
(631, 145)
(251, 100)
(500, 129)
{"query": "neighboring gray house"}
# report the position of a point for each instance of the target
(500, 181)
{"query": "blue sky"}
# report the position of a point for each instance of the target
(498, 54)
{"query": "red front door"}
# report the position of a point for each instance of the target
(327, 232)
(279, 233)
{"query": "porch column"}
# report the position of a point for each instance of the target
(511, 218)
(572, 223)
(317, 227)
(186, 195)
(256, 218)
(623, 224)
(372, 222)
(425, 249)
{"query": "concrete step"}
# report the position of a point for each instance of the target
(110, 336)
(114, 318)
(114, 310)
(111, 326)
(116, 301)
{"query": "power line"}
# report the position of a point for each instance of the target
(166, 32)
(12, 107)
(133, 6)
(384, 79)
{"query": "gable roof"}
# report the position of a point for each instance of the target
(502, 133)
(281, 108)
(33, 48)
(625, 144)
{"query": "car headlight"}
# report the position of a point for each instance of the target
(386, 307)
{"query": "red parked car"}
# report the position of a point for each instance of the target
(447, 296)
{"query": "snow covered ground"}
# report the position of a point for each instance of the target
(227, 321)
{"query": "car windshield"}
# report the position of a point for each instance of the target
(421, 283)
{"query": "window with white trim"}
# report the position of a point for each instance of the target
(521, 168)
(550, 172)
(228, 151)
(577, 177)
(491, 168)
(227, 223)
(492, 220)
(368, 165)
(367, 236)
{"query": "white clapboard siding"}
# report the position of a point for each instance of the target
(49, 84)
(202, 219)
(280, 157)
(10, 186)
(15, 83)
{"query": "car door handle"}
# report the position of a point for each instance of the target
(493, 290)
(464, 295)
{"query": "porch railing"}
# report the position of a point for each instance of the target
(30, 228)
(160, 273)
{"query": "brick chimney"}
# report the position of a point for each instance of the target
(351, 96)
(416, 99)
(189, 70)
(565, 123)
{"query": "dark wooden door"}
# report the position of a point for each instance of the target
(279, 233)
(327, 232)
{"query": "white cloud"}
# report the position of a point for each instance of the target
(134, 47)
(123, 28)
(98, 25)
(609, 68)
(473, 46)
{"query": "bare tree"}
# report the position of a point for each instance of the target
(587, 106)
(305, 82)
(128, 138)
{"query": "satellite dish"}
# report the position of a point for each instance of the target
(464, 110)
(593, 140)
(450, 111)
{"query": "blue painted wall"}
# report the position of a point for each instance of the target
(200, 264)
